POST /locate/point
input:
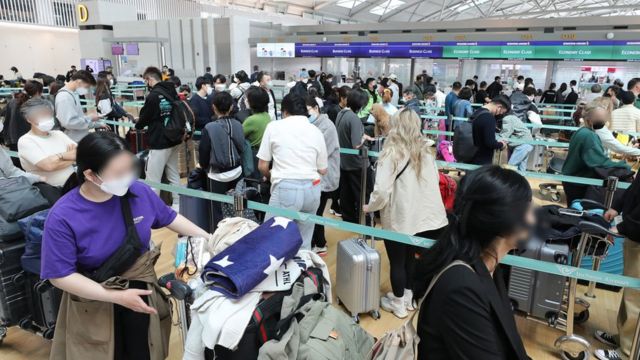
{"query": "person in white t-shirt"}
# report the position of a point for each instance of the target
(43, 151)
(299, 155)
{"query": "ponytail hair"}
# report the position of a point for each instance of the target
(490, 202)
(94, 153)
(31, 88)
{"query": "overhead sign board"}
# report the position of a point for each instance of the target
(529, 50)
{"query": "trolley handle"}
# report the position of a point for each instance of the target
(595, 229)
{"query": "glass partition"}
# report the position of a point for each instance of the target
(371, 67)
(445, 72)
(401, 68)
(340, 67)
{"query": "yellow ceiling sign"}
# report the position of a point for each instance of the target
(83, 13)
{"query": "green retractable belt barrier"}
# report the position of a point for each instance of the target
(552, 268)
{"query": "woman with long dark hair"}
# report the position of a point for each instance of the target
(106, 104)
(560, 93)
(14, 123)
(97, 248)
(467, 314)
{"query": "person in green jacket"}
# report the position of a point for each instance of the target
(374, 97)
(254, 126)
(586, 152)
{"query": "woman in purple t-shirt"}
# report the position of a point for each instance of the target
(84, 228)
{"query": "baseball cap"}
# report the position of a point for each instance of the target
(393, 77)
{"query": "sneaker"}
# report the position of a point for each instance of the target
(394, 305)
(408, 300)
(606, 338)
(607, 354)
(409, 303)
(321, 251)
(334, 213)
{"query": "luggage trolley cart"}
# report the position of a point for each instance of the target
(594, 240)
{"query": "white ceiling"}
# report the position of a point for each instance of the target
(364, 11)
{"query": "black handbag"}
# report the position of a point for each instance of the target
(18, 199)
(126, 255)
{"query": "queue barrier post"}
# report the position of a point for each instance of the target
(611, 184)
(239, 203)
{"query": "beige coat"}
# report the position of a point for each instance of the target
(410, 204)
(84, 329)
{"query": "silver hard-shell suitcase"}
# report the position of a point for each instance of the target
(358, 267)
(537, 293)
(536, 160)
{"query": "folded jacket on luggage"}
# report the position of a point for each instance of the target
(243, 265)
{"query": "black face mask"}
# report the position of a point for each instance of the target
(598, 125)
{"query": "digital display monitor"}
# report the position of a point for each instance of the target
(276, 50)
(117, 49)
(132, 49)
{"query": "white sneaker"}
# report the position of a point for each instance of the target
(335, 213)
(394, 305)
(409, 303)
(607, 354)
(408, 300)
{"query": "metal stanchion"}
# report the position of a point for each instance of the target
(611, 185)
(364, 157)
(239, 204)
(635, 345)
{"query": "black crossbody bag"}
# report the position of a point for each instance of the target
(126, 255)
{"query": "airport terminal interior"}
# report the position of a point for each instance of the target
(319, 179)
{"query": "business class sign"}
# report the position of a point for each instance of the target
(531, 50)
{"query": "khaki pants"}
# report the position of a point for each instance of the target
(630, 306)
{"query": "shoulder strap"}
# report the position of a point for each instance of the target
(68, 92)
(128, 219)
(403, 169)
(435, 280)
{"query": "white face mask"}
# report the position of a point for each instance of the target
(269, 84)
(82, 91)
(111, 82)
(209, 90)
(46, 125)
(520, 86)
(220, 87)
(117, 187)
(1, 126)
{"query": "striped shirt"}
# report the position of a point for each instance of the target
(626, 118)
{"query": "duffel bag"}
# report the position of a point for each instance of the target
(19, 199)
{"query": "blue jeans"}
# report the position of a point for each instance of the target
(520, 156)
(298, 195)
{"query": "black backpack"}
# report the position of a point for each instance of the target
(178, 119)
(464, 148)
(300, 88)
(572, 98)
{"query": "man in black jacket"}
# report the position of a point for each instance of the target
(628, 225)
(163, 154)
(495, 88)
(484, 129)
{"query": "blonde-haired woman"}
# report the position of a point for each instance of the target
(407, 193)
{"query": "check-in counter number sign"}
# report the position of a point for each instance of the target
(83, 13)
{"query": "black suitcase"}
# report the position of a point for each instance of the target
(14, 303)
(44, 302)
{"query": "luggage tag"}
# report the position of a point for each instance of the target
(617, 220)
